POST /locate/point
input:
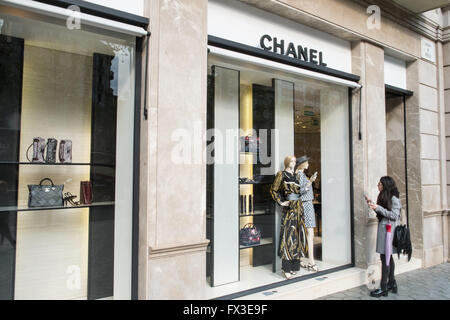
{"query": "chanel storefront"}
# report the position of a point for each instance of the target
(148, 165)
(283, 90)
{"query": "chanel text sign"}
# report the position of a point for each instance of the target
(279, 46)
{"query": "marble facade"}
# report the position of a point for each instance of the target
(172, 237)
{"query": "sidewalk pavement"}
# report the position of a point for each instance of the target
(423, 284)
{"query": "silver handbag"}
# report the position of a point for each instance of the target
(38, 150)
(65, 151)
(45, 196)
(51, 150)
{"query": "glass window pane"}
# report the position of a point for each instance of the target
(68, 115)
(281, 116)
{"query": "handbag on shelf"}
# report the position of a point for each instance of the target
(65, 151)
(45, 195)
(249, 235)
(38, 150)
(51, 150)
(86, 196)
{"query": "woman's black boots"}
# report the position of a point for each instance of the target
(379, 292)
(393, 287)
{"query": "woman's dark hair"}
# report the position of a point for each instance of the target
(389, 189)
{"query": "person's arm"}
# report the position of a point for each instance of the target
(276, 187)
(392, 214)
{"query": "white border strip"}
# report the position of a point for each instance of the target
(282, 67)
(87, 19)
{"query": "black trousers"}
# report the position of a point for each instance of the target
(290, 265)
(387, 272)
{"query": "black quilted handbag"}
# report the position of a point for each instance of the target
(249, 235)
(45, 196)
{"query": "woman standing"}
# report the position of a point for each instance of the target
(387, 209)
(286, 192)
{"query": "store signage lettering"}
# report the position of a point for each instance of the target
(298, 52)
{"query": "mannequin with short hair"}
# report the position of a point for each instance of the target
(307, 196)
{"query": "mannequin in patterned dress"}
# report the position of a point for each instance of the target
(307, 196)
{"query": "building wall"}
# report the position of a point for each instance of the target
(172, 201)
(172, 239)
(445, 96)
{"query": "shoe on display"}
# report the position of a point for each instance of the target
(312, 267)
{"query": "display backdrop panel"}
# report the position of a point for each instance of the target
(226, 173)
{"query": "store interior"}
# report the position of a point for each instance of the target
(258, 99)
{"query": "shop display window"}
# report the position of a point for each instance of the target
(259, 116)
(66, 160)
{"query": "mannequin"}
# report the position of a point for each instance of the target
(286, 192)
(307, 196)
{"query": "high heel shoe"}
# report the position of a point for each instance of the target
(68, 197)
(312, 267)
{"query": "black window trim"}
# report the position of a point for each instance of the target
(101, 11)
(268, 55)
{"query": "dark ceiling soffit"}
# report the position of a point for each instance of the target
(101, 11)
(260, 53)
(397, 91)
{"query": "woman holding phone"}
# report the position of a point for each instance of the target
(387, 208)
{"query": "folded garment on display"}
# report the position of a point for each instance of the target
(45, 195)
(249, 235)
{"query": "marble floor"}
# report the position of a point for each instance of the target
(253, 277)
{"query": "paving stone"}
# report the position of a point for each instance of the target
(423, 284)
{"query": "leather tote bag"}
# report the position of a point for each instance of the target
(45, 195)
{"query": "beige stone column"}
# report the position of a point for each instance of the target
(172, 240)
(369, 154)
(413, 155)
(446, 132)
(433, 171)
